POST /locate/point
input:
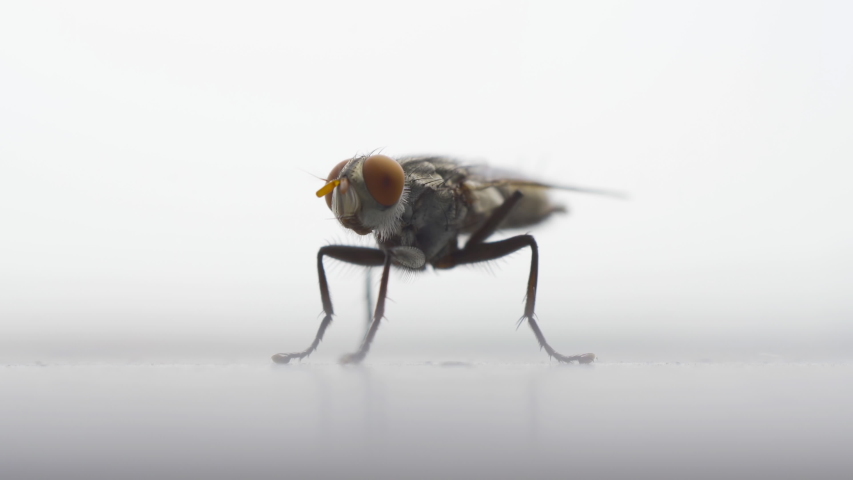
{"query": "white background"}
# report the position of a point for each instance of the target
(157, 198)
(159, 230)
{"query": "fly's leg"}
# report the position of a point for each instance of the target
(477, 251)
(368, 257)
(358, 356)
(492, 223)
(368, 294)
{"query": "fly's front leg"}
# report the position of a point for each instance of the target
(369, 257)
(358, 356)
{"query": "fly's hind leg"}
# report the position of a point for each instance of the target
(476, 251)
(369, 257)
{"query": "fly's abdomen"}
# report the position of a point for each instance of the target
(534, 207)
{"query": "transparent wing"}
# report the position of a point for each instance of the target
(481, 177)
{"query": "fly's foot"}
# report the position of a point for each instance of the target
(285, 358)
(584, 358)
(352, 358)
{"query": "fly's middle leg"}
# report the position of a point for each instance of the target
(368, 257)
(494, 220)
(477, 251)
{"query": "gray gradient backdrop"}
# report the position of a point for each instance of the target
(157, 207)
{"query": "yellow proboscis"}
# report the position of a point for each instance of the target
(327, 189)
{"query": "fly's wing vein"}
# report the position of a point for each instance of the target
(533, 184)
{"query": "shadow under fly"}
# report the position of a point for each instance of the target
(417, 208)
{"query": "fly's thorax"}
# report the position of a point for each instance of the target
(370, 195)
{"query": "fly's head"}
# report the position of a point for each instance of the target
(367, 194)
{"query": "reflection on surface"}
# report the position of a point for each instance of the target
(427, 421)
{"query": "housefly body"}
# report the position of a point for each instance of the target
(417, 208)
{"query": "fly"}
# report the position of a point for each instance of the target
(417, 208)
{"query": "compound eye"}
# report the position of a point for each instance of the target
(333, 175)
(384, 179)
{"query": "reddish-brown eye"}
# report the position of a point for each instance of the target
(333, 175)
(384, 179)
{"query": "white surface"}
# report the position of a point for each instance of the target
(416, 420)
